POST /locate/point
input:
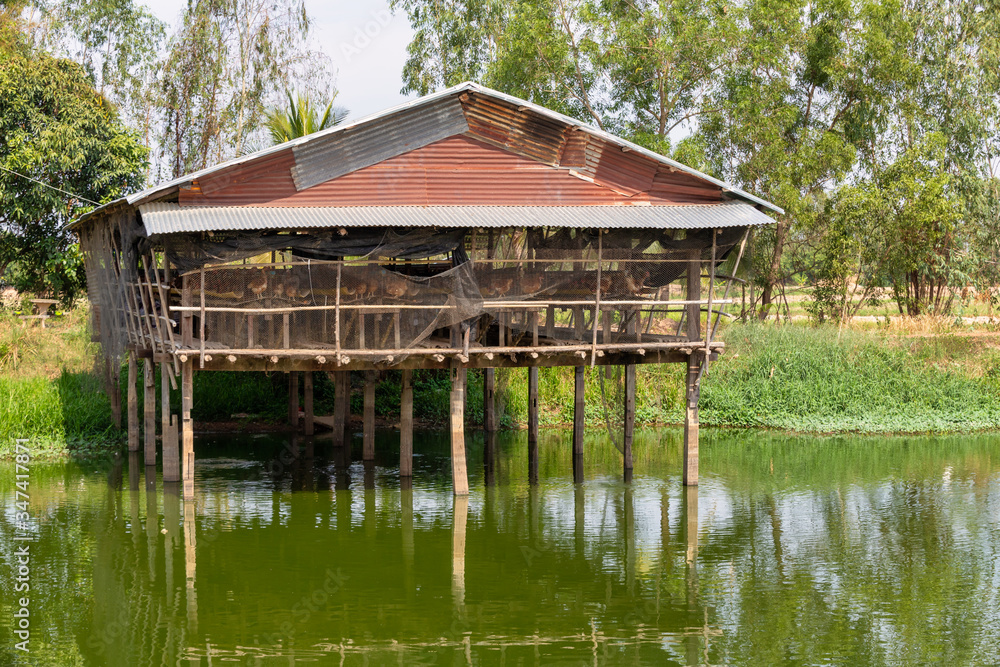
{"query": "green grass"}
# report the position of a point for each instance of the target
(793, 377)
(806, 378)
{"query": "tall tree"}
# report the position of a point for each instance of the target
(229, 59)
(62, 148)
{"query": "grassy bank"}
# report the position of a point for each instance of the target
(792, 377)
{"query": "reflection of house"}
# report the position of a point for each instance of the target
(465, 229)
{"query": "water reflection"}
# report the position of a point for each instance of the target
(843, 552)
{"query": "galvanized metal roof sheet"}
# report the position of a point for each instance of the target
(165, 218)
(384, 119)
(378, 140)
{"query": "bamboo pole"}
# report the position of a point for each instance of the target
(369, 417)
(406, 426)
(459, 471)
(187, 427)
(132, 405)
(149, 411)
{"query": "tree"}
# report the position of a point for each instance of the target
(62, 148)
(301, 118)
(229, 58)
(117, 42)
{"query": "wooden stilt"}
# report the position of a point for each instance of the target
(692, 391)
(293, 399)
(629, 419)
(133, 405)
(187, 427)
(170, 456)
(489, 400)
(461, 509)
(369, 417)
(406, 426)
(693, 368)
(459, 473)
(114, 390)
(149, 411)
(578, 417)
(533, 425)
(341, 406)
(134, 464)
(307, 389)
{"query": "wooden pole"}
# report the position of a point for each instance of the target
(489, 400)
(533, 425)
(533, 408)
(578, 417)
(307, 388)
(293, 399)
(406, 426)
(459, 473)
(369, 417)
(133, 406)
(629, 419)
(149, 410)
(693, 368)
(341, 406)
(171, 460)
(187, 427)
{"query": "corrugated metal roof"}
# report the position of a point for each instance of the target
(163, 189)
(164, 218)
(380, 139)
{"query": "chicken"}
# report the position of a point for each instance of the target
(497, 285)
(290, 285)
(258, 284)
(635, 284)
(395, 286)
(532, 282)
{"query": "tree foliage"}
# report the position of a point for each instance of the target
(57, 130)
(228, 60)
(812, 105)
(300, 118)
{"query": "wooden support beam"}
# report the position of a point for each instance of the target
(293, 400)
(691, 386)
(533, 425)
(133, 405)
(406, 426)
(170, 455)
(578, 421)
(307, 389)
(489, 400)
(187, 427)
(341, 405)
(692, 391)
(459, 472)
(369, 417)
(629, 429)
(149, 410)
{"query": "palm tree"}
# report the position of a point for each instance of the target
(301, 118)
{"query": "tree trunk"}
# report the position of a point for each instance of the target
(772, 277)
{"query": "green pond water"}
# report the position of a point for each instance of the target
(846, 551)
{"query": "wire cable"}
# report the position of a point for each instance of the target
(50, 187)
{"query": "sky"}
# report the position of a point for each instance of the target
(365, 41)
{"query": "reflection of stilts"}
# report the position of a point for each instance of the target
(190, 565)
(461, 515)
(630, 556)
(134, 462)
(689, 519)
(406, 524)
(152, 520)
(490, 458)
(172, 526)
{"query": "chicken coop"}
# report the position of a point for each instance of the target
(464, 230)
